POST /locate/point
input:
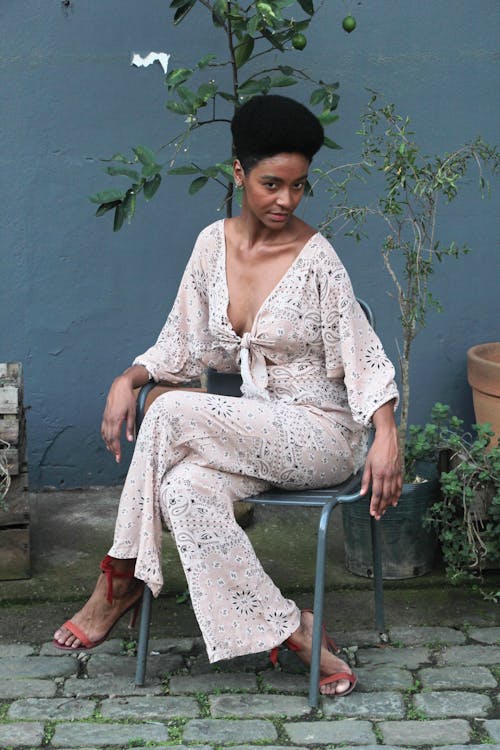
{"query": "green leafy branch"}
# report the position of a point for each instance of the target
(210, 92)
(409, 186)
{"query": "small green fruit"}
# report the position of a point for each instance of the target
(299, 41)
(349, 24)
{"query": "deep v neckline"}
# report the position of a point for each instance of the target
(268, 296)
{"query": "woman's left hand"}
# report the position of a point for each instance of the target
(383, 464)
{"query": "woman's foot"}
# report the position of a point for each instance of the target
(116, 592)
(329, 663)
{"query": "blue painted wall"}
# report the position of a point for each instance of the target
(78, 302)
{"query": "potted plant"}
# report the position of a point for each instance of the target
(466, 515)
(409, 187)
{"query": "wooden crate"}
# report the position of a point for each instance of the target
(15, 533)
(12, 422)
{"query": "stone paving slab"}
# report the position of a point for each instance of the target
(109, 686)
(52, 709)
(26, 667)
(466, 747)
(470, 655)
(83, 735)
(339, 732)
(418, 733)
(182, 646)
(426, 636)
(223, 732)
(367, 706)
(258, 705)
(200, 664)
(210, 683)
(16, 649)
(124, 666)
(359, 638)
(485, 635)
(283, 682)
(21, 735)
(408, 658)
(447, 678)
(152, 707)
(452, 703)
(492, 726)
(113, 646)
(27, 689)
(383, 678)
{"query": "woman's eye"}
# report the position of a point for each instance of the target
(299, 185)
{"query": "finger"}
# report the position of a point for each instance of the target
(376, 497)
(366, 478)
(130, 425)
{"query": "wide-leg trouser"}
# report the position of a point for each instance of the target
(196, 454)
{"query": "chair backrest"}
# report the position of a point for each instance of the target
(229, 383)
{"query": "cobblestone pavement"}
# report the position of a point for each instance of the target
(434, 687)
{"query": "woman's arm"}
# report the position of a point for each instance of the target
(383, 463)
(120, 408)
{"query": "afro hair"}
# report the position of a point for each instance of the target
(269, 124)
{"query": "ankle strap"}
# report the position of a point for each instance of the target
(107, 568)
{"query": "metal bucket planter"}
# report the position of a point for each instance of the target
(408, 549)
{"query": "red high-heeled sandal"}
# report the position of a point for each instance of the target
(329, 679)
(107, 568)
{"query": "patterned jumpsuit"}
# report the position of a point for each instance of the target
(313, 374)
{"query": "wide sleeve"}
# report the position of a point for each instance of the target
(178, 352)
(353, 350)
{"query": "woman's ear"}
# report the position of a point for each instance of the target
(238, 173)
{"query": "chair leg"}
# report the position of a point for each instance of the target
(378, 581)
(319, 593)
(142, 646)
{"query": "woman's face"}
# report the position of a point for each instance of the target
(273, 187)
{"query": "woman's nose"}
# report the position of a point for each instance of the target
(284, 197)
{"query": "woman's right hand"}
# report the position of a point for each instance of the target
(120, 408)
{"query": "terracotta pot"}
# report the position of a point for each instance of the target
(483, 373)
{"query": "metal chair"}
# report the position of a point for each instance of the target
(325, 499)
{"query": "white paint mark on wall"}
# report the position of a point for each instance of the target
(144, 62)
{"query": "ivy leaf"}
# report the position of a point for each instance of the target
(119, 157)
(145, 155)
(182, 12)
(108, 196)
(129, 204)
(177, 76)
(279, 81)
(119, 217)
(330, 144)
(210, 171)
(124, 172)
(317, 96)
(206, 60)
(206, 91)
(326, 118)
(226, 169)
(219, 12)
(105, 207)
(197, 185)
(179, 108)
(243, 50)
(307, 6)
(151, 186)
(149, 170)
(286, 70)
(188, 169)
(251, 87)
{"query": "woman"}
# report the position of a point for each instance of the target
(265, 294)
